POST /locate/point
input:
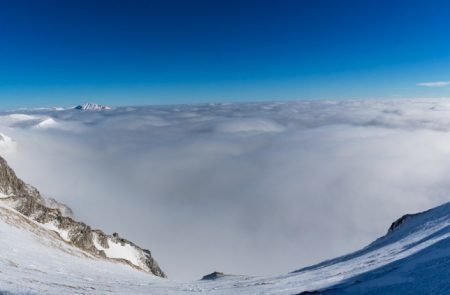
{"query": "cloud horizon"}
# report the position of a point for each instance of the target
(434, 84)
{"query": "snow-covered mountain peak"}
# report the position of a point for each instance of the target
(92, 107)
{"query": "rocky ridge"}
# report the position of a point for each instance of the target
(27, 200)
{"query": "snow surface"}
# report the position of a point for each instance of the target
(414, 258)
(64, 234)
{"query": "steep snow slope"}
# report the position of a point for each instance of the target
(413, 257)
(424, 267)
(397, 262)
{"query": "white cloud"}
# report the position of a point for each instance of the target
(434, 84)
(257, 188)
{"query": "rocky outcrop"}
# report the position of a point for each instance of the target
(396, 224)
(213, 276)
(57, 216)
(403, 220)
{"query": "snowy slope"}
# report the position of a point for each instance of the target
(413, 257)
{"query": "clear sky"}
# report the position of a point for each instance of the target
(168, 51)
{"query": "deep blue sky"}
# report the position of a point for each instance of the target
(143, 52)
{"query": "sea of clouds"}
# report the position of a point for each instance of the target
(242, 188)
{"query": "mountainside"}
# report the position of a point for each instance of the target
(55, 216)
(46, 251)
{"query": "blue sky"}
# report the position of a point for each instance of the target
(144, 52)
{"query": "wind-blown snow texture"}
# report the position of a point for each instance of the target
(270, 186)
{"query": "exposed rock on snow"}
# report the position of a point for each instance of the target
(56, 216)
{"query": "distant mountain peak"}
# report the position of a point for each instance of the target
(91, 107)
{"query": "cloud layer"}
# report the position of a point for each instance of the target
(255, 188)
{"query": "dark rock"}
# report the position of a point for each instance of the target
(213, 276)
(399, 222)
